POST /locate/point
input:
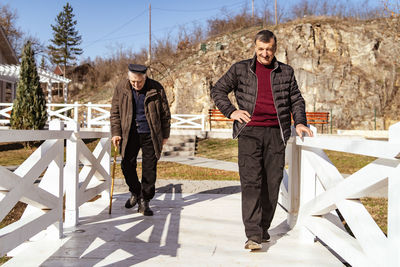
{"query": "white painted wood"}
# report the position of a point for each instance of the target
(13, 235)
(307, 178)
(45, 201)
(84, 134)
(339, 241)
(184, 121)
(372, 176)
(332, 191)
(105, 161)
(394, 134)
(394, 203)
(294, 161)
(394, 217)
(372, 148)
(367, 232)
(71, 180)
(29, 170)
(31, 135)
(102, 119)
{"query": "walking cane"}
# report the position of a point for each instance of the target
(112, 177)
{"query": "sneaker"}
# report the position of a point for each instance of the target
(144, 207)
(266, 237)
(253, 245)
(131, 202)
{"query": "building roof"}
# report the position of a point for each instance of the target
(58, 71)
(7, 49)
(45, 76)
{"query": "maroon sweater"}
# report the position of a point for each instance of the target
(264, 113)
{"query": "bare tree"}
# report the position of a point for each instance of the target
(8, 18)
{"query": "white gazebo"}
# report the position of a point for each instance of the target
(10, 75)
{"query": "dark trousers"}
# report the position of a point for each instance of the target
(136, 141)
(261, 163)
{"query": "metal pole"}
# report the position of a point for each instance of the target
(252, 10)
(331, 121)
(276, 13)
(375, 119)
(149, 34)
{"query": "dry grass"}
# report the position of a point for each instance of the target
(171, 170)
(378, 208)
(348, 163)
(220, 149)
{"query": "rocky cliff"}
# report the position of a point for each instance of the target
(350, 68)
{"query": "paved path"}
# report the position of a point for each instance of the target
(186, 230)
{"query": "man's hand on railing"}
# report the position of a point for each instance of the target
(300, 129)
(115, 140)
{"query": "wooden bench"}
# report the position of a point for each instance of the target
(316, 118)
(216, 115)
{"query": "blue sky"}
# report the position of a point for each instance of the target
(108, 25)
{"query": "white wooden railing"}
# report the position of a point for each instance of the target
(98, 115)
(44, 195)
(314, 190)
(5, 110)
(188, 121)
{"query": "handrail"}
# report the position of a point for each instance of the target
(45, 201)
(314, 189)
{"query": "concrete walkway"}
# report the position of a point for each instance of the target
(197, 229)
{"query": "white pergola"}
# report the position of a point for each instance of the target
(10, 73)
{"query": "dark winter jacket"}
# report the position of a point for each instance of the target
(242, 80)
(156, 109)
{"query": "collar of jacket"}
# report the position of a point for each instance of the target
(253, 63)
(149, 91)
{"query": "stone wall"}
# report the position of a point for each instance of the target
(348, 67)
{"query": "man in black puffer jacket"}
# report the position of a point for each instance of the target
(267, 95)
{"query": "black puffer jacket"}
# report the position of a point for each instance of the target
(241, 79)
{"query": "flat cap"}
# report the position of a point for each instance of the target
(137, 68)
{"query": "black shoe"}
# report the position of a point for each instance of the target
(253, 245)
(266, 237)
(131, 202)
(144, 207)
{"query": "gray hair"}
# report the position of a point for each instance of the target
(265, 36)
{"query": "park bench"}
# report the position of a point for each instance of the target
(215, 115)
(318, 118)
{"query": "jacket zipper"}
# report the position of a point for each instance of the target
(254, 107)
(277, 113)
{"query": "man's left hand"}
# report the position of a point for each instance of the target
(300, 129)
(164, 141)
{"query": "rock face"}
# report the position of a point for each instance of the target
(349, 68)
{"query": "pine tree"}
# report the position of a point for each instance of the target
(66, 39)
(29, 109)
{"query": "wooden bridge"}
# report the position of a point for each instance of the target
(194, 228)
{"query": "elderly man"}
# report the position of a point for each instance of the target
(140, 119)
(267, 95)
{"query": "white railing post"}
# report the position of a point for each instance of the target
(57, 169)
(203, 125)
(89, 115)
(71, 175)
(294, 181)
(76, 107)
(393, 228)
(105, 162)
